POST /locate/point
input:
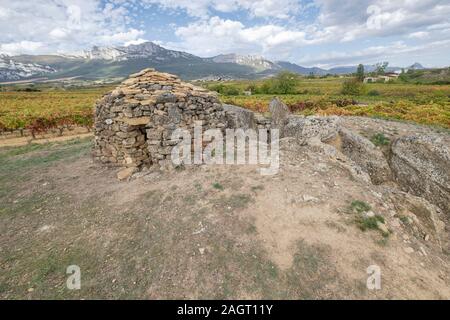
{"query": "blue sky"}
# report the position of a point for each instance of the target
(308, 32)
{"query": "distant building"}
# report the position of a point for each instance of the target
(385, 78)
(392, 75)
(370, 79)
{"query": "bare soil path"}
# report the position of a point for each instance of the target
(204, 232)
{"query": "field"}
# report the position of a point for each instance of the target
(45, 107)
(424, 104)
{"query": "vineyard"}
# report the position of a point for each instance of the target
(49, 109)
(58, 108)
(424, 104)
(430, 113)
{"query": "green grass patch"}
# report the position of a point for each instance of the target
(379, 140)
(218, 186)
(360, 206)
(370, 223)
(13, 160)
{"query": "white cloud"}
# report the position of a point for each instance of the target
(419, 35)
(28, 47)
(58, 33)
(281, 9)
(64, 25)
(338, 22)
(4, 13)
(216, 35)
(278, 29)
(135, 42)
(379, 18)
(373, 54)
(122, 37)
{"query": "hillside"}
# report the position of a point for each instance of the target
(430, 76)
(118, 62)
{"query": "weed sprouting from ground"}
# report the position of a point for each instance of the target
(379, 140)
(218, 186)
(404, 219)
(360, 206)
(257, 188)
(370, 223)
(364, 221)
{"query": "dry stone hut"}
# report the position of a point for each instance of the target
(134, 123)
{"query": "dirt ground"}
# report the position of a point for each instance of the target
(204, 232)
(17, 141)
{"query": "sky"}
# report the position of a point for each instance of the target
(322, 33)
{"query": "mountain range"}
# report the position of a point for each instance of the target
(119, 62)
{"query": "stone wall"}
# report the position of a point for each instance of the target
(134, 123)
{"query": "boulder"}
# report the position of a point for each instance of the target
(280, 113)
(126, 173)
(425, 216)
(421, 166)
(366, 155)
(238, 117)
(305, 128)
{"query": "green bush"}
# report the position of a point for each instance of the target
(374, 93)
(218, 186)
(267, 87)
(227, 90)
(370, 223)
(353, 87)
(284, 83)
(230, 91)
(380, 139)
(360, 206)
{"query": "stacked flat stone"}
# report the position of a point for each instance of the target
(134, 123)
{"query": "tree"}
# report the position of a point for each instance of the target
(380, 68)
(286, 82)
(353, 87)
(360, 73)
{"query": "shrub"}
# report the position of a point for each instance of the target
(227, 90)
(370, 223)
(360, 206)
(380, 139)
(284, 83)
(353, 87)
(218, 186)
(374, 93)
(230, 91)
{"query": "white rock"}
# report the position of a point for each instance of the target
(382, 227)
(409, 250)
(125, 173)
(308, 198)
(423, 251)
(370, 214)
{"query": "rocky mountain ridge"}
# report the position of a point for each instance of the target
(118, 62)
(11, 70)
